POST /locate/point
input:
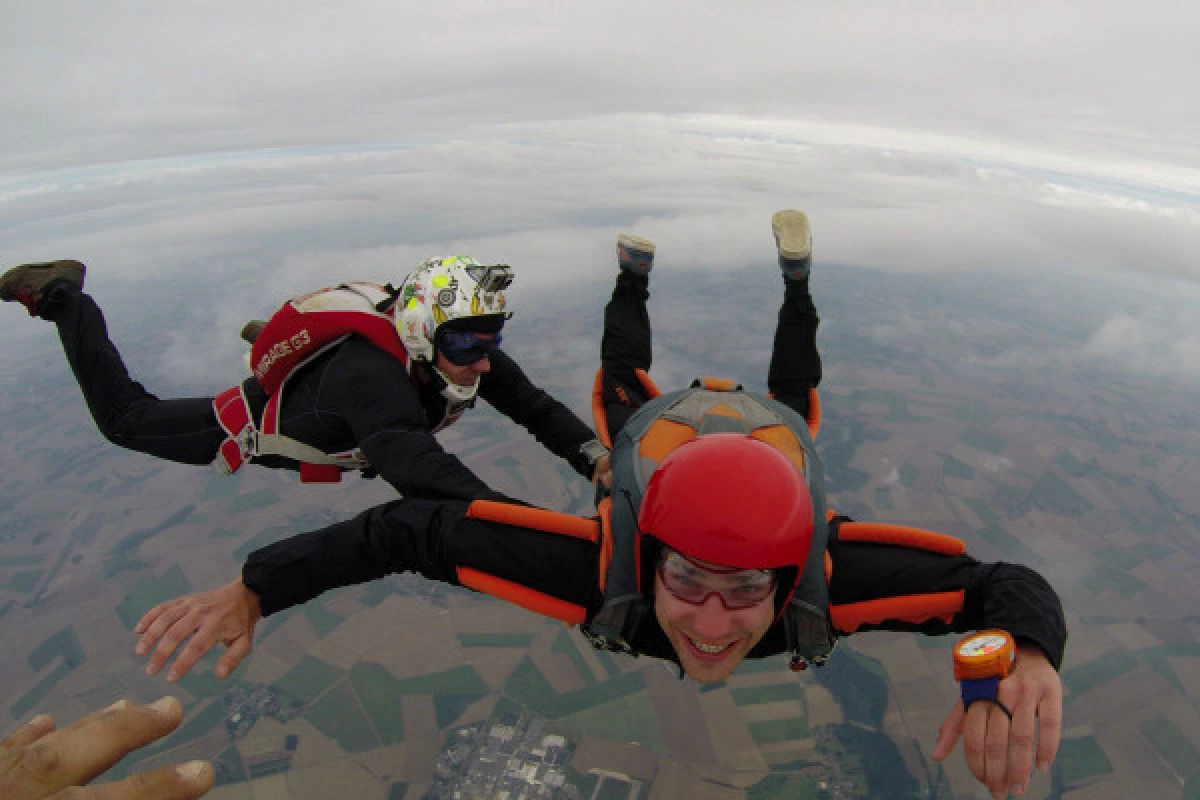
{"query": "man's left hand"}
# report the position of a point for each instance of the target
(999, 751)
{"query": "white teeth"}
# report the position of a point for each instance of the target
(711, 649)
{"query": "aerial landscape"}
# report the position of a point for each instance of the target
(405, 688)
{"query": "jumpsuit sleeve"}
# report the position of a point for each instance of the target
(373, 393)
(437, 540)
(556, 427)
(1011, 597)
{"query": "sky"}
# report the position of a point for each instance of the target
(275, 143)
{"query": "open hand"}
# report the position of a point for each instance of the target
(40, 762)
(227, 615)
(1000, 752)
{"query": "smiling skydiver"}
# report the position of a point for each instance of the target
(714, 546)
(357, 376)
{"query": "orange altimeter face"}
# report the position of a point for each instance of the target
(983, 655)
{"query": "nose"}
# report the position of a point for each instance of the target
(712, 619)
(482, 366)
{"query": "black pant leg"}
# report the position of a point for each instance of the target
(795, 363)
(625, 347)
(183, 430)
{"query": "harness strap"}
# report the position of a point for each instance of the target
(245, 441)
(233, 414)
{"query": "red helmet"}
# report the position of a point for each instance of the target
(731, 500)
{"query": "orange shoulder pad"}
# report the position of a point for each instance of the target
(538, 519)
(901, 536)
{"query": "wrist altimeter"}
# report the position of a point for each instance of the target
(981, 661)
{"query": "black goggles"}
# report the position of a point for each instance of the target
(462, 348)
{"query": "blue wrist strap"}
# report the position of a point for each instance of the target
(985, 689)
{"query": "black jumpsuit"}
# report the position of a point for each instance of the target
(354, 396)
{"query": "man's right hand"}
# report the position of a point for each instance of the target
(227, 615)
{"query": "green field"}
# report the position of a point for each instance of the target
(30, 560)
(1099, 671)
(953, 468)
(339, 716)
(229, 767)
(982, 440)
(1123, 558)
(909, 475)
(254, 500)
(149, 592)
(883, 499)
(1152, 551)
(1009, 546)
(779, 730)
(792, 690)
(24, 581)
(1051, 493)
(1080, 759)
(518, 640)
(308, 679)
(459, 680)
(1109, 579)
(785, 787)
(628, 719)
(529, 687)
(564, 643)
(322, 619)
(1171, 744)
(377, 693)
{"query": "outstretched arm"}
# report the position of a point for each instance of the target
(556, 427)
(878, 586)
(485, 546)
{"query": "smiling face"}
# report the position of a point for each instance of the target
(709, 639)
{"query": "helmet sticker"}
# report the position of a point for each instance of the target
(445, 297)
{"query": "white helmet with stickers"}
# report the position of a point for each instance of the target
(442, 294)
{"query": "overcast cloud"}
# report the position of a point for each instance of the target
(284, 142)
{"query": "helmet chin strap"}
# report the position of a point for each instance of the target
(449, 389)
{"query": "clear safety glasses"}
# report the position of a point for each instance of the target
(462, 348)
(692, 583)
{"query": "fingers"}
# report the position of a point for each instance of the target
(995, 755)
(150, 616)
(1049, 715)
(29, 733)
(1021, 737)
(184, 782)
(158, 625)
(78, 753)
(233, 656)
(202, 640)
(948, 734)
(975, 739)
(170, 643)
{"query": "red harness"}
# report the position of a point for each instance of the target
(302, 329)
